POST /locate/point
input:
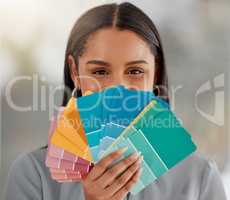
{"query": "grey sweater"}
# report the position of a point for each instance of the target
(192, 179)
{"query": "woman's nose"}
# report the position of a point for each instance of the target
(117, 80)
(120, 81)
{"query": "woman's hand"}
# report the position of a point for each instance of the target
(113, 183)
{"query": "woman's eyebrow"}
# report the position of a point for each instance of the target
(136, 62)
(98, 62)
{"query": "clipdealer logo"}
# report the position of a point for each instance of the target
(216, 87)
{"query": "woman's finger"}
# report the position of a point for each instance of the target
(111, 174)
(126, 188)
(104, 163)
(124, 178)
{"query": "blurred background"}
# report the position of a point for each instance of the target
(33, 36)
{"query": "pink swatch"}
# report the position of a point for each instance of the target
(57, 152)
(64, 164)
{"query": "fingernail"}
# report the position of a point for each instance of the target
(135, 154)
(142, 157)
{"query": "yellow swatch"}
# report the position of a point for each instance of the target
(62, 142)
(70, 123)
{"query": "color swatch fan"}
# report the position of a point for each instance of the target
(64, 166)
(92, 126)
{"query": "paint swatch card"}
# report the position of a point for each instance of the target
(92, 126)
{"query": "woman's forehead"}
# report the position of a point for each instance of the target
(111, 43)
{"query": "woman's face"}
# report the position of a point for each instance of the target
(114, 57)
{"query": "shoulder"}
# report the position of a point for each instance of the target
(196, 177)
(33, 161)
(25, 175)
(203, 174)
(195, 172)
(196, 163)
(29, 166)
(29, 178)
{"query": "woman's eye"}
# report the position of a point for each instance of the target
(100, 72)
(135, 71)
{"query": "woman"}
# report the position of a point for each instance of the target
(114, 44)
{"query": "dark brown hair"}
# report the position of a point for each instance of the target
(124, 16)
